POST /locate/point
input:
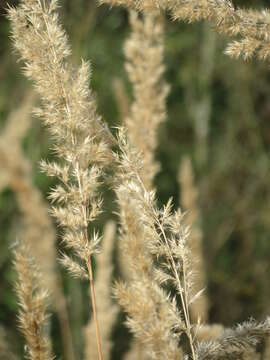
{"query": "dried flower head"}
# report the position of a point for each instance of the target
(32, 301)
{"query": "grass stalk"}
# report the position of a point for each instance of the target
(94, 307)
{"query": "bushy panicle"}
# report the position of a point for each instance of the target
(69, 110)
(32, 302)
(144, 55)
(164, 237)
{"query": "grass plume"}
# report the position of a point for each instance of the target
(69, 111)
(32, 301)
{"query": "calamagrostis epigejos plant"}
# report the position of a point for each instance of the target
(156, 317)
(32, 302)
(69, 110)
(144, 55)
(153, 314)
(107, 310)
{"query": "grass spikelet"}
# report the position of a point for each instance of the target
(33, 301)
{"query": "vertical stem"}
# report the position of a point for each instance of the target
(183, 298)
(89, 261)
(93, 298)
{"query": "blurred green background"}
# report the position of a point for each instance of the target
(218, 114)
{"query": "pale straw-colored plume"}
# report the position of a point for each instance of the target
(144, 50)
(80, 138)
(144, 53)
(36, 230)
(143, 297)
(188, 200)
(150, 317)
(107, 310)
(144, 65)
(33, 300)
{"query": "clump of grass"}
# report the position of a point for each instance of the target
(155, 241)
